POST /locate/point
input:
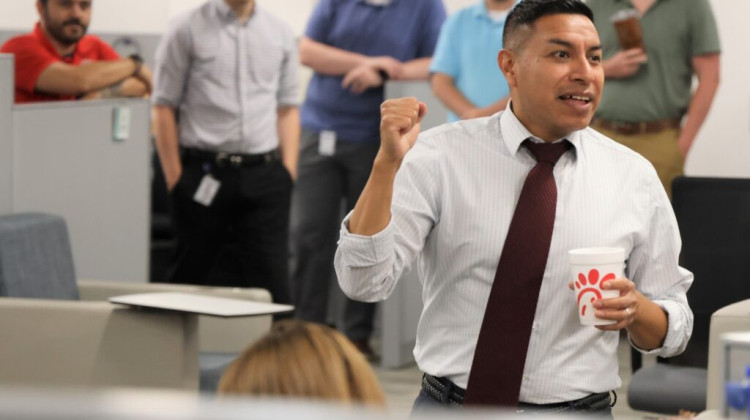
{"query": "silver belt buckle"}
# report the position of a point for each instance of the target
(235, 161)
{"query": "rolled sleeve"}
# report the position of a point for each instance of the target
(365, 251)
(363, 263)
(172, 64)
(369, 267)
(679, 329)
(654, 267)
(288, 94)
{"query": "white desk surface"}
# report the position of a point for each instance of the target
(201, 304)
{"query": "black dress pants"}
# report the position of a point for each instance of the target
(323, 182)
(241, 239)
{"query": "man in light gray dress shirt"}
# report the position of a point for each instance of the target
(227, 133)
(443, 201)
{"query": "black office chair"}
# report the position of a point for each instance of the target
(714, 219)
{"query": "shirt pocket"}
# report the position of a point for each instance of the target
(265, 64)
(205, 53)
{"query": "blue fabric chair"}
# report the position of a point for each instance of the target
(52, 338)
(35, 257)
(36, 262)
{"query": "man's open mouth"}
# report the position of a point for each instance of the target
(581, 98)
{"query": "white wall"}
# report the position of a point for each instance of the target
(144, 16)
(152, 16)
(723, 144)
(721, 149)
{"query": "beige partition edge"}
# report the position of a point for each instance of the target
(66, 161)
(6, 132)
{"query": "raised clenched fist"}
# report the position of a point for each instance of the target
(399, 126)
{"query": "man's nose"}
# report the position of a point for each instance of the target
(77, 10)
(582, 70)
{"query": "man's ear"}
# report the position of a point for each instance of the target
(40, 8)
(506, 60)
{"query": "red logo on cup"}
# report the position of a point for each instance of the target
(589, 286)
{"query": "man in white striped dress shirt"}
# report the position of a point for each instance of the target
(444, 202)
(226, 94)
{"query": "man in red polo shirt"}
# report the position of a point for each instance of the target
(58, 61)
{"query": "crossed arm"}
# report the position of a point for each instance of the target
(361, 72)
(99, 79)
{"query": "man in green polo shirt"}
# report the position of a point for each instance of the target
(647, 93)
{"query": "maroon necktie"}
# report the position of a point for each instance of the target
(500, 355)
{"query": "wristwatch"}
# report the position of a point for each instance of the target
(138, 61)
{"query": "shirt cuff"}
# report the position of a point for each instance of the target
(160, 100)
(288, 101)
(365, 251)
(674, 340)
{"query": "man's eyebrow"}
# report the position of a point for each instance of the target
(564, 43)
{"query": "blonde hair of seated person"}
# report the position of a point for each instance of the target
(304, 360)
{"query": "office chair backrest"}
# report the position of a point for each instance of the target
(714, 219)
(35, 257)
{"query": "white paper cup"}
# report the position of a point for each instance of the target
(589, 268)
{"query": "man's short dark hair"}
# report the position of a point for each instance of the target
(44, 2)
(525, 13)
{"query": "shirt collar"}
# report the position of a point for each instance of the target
(225, 12)
(514, 133)
(479, 10)
(42, 36)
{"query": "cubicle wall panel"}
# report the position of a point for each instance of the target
(67, 162)
(6, 133)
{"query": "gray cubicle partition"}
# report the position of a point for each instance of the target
(67, 161)
(400, 313)
(6, 132)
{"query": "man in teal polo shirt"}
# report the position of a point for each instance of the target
(648, 93)
(465, 75)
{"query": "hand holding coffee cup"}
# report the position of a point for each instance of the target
(625, 63)
(605, 298)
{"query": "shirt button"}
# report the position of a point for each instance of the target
(535, 326)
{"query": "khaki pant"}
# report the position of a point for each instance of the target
(659, 148)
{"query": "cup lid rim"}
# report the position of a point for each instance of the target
(625, 14)
(597, 255)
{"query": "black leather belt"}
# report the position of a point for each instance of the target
(235, 160)
(443, 390)
(448, 393)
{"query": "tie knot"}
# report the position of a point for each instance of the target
(547, 152)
